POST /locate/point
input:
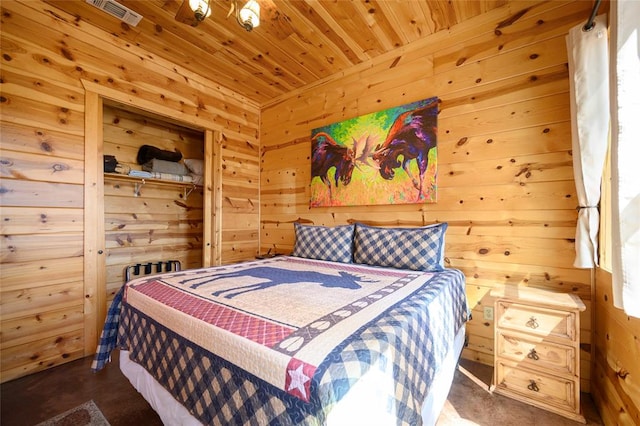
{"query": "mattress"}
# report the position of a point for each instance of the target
(289, 340)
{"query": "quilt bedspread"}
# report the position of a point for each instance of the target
(283, 340)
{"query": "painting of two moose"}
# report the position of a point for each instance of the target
(385, 157)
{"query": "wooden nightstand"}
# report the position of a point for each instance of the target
(537, 348)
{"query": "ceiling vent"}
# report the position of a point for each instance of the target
(119, 11)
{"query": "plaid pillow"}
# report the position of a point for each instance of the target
(419, 249)
(324, 243)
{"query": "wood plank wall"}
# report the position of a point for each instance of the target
(616, 375)
(504, 153)
(45, 55)
(154, 221)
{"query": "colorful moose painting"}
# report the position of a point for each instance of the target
(386, 157)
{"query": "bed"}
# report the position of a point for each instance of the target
(296, 339)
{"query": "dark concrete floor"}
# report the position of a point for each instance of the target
(470, 402)
(38, 397)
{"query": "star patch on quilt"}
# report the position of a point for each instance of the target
(298, 380)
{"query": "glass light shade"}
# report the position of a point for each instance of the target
(250, 12)
(200, 7)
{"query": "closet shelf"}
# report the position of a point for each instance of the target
(139, 182)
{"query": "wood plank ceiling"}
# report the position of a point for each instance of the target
(298, 42)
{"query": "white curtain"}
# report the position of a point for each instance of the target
(589, 91)
(625, 154)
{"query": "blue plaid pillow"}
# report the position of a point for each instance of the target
(324, 243)
(419, 249)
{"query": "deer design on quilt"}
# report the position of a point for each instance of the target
(276, 277)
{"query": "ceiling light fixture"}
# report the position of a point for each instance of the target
(249, 16)
(201, 9)
(193, 12)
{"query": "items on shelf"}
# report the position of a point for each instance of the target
(123, 169)
(166, 167)
(141, 174)
(147, 153)
(110, 163)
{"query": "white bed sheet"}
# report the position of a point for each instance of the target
(173, 413)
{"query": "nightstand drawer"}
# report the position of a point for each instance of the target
(547, 323)
(536, 353)
(536, 387)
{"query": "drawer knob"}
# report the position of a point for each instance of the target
(533, 386)
(532, 323)
(533, 354)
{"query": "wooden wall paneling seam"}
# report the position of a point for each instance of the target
(31, 247)
(35, 167)
(117, 117)
(191, 236)
(20, 331)
(551, 137)
(518, 115)
(30, 86)
(44, 272)
(21, 111)
(531, 29)
(20, 193)
(147, 254)
(151, 205)
(94, 245)
(36, 65)
(553, 166)
(17, 362)
(527, 60)
(543, 82)
(41, 299)
(17, 137)
(38, 61)
(244, 171)
(558, 195)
